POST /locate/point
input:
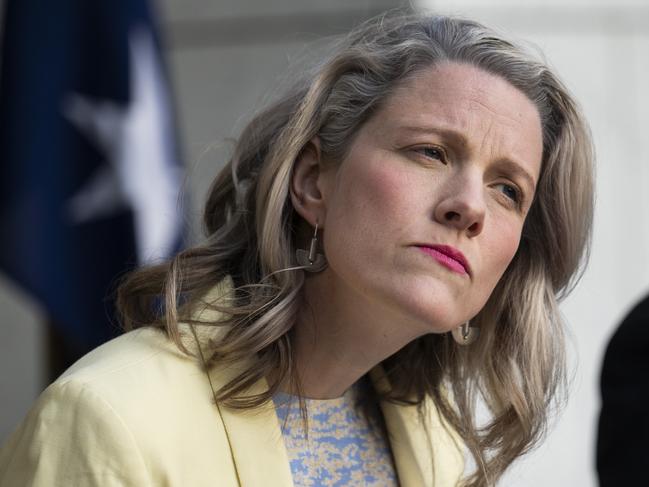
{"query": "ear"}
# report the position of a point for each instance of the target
(307, 182)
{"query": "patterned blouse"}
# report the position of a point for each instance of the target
(342, 447)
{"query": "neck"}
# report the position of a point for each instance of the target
(340, 336)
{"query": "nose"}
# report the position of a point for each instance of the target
(463, 205)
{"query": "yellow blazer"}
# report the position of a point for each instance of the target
(138, 412)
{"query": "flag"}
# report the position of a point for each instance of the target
(90, 172)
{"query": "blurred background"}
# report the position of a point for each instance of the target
(179, 79)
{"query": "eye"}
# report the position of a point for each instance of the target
(433, 152)
(511, 192)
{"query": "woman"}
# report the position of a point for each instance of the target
(429, 177)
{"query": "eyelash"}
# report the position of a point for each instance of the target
(517, 196)
(441, 153)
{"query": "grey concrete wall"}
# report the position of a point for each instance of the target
(21, 355)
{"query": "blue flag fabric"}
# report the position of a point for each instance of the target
(89, 173)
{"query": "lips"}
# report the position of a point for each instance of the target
(448, 256)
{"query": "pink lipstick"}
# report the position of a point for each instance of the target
(449, 257)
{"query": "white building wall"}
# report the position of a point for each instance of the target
(599, 48)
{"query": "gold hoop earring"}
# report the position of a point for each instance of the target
(465, 334)
(313, 261)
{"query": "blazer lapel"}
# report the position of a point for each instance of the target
(254, 436)
(257, 445)
(422, 458)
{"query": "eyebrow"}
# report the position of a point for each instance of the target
(459, 140)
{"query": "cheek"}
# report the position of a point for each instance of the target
(502, 250)
(378, 184)
(367, 211)
(371, 197)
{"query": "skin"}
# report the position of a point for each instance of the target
(452, 158)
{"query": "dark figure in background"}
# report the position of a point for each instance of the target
(622, 442)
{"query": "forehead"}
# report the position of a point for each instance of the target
(444, 86)
(483, 107)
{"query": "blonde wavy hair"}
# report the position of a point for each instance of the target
(517, 366)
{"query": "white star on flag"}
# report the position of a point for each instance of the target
(138, 142)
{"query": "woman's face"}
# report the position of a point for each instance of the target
(425, 212)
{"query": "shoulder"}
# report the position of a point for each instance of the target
(136, 406)
(143, 359)
(627, 347)
(142, 375)
(633, 333)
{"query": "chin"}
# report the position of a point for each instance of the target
(432, 310)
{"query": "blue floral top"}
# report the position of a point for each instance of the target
(342, 448)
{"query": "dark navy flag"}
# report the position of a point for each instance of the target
(89, 174)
